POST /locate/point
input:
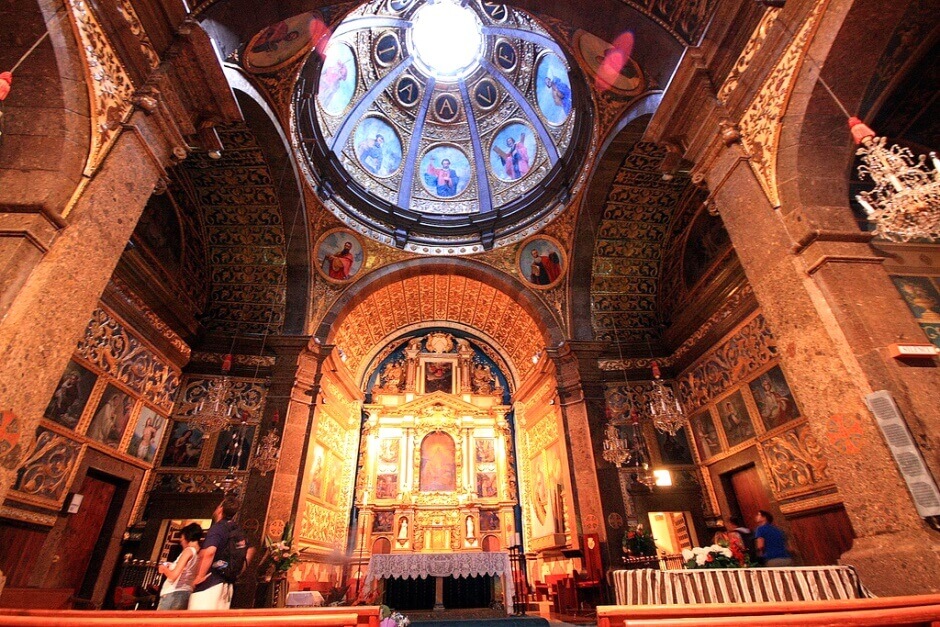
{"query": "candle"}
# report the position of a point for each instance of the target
(516, 539)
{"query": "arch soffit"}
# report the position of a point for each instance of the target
(426, 292)
(813, 167)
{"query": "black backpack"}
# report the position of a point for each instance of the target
(236, 554)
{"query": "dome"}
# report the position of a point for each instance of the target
(439, 126)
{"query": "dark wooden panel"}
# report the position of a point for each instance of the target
(749, 493)
(81, 533)
(820, 537)
(20, 543)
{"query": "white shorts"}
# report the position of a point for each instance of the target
(218, 597)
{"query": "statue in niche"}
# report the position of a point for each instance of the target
(470, 532)
(392, 377)
(403, 529)
(483, 379)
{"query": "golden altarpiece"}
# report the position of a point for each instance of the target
(437, 471)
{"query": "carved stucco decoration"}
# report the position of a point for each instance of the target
(109, 85)
(747, 350)
(126, 10)
(439, 299)
(109, 345)
(158, 324)
(47, 469)
(760, 124)
(751, 48)
(796, 462)
(628, 247)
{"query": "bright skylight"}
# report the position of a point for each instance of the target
(446, 39)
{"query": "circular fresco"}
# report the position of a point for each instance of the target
(337, 79)
(445, 171)
(279, 44)
(339, 255)
(512, 152)
(542, 261)
(378, 147)
(553, 89)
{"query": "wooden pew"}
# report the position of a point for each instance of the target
(922, 615)
(358, 616)
(614, 615)
(46, 598)
(187, 619)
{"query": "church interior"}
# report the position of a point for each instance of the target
(414, 278)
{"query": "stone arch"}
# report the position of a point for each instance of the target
(275, 146)
(390, 299)
(47, 129)
(816, 152)
(618, 144)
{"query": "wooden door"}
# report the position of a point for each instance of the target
(749, 493)
(81, 534)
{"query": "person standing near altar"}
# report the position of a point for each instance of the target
(770, 541)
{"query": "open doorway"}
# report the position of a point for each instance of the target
(673, 531)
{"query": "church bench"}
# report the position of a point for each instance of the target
(614, 615)
(234, 618)
(360, 616)
(922, 615)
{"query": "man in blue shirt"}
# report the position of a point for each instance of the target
(770, 542)
(211, 591)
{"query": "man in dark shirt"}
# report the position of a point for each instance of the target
(211, 592)
(770, 541)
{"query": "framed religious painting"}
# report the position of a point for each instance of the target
(541, 261)
(111, 416)
(71, 395)
(774, 400)
(439, 377)
(735, 419)
(148, 433)
(705, 435)
(339, 255)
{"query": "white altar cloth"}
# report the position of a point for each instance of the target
(304, 598)
(423, 565)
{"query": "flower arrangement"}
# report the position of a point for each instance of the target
(639, 542)
(392, 619)
(279, 557)
(721, 555)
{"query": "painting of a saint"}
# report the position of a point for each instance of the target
(71, 396)
(486, 485)
(339, 254)
(332, 474)
(185, 446)
(383, 521)
(337, 79)
(706, 436)
(674, 449)
(111, 417)
(921, 297)
(735, 419)
(316, 472)
(438, 471)
(485, 451)
(438, 377)
(378, 147)
(553, 89)
(147, 436)
(512, 152)
(774, 399)
(279, 44)
(388, 451)
(234, 447)
(489, 520)
(386, 486)
(541, 262)
(445, 171)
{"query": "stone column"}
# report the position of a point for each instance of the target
(831, 308)
(258, 487)
(52, 308)
(595, 483)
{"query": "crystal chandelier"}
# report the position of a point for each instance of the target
(665, 410)
(625, 446)
(214, 412)
(267, 453)
(905, 203)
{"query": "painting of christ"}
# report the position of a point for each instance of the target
(438, 464)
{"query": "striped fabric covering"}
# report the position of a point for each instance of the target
(737, 585)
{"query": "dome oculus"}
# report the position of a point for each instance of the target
(446, 40)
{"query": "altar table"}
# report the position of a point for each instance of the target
(423, 565)
(737, 585)
(304, 598)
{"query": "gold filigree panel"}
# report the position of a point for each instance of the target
(796, 462)
(440, 299)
